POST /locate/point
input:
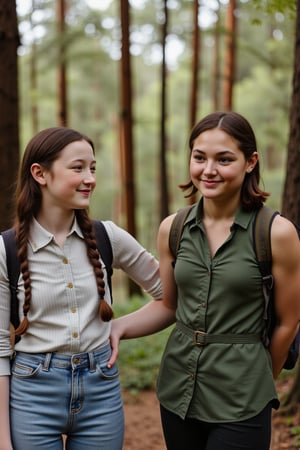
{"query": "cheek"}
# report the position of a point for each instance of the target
(195, 169)
(234, 176)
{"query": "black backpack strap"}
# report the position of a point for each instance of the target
(262, 246)
(176, 229)
(105, 249)
(13, 271)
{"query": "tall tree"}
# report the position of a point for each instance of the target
(127, 158)
(229, 69)
(62, 65)
(164, 196)
(216, 63)
(33, 77)
(9, 125)
(194, 93)
(291, 193)
(195, 85)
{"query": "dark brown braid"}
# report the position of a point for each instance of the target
(86, 226)
(22, 234)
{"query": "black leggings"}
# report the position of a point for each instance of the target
(192, 434)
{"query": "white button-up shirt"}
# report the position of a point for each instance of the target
(63, 315)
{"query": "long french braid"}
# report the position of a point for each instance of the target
(105, 311)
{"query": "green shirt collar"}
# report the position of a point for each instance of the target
(242, 217)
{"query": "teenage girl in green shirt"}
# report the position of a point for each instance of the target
(220, 396)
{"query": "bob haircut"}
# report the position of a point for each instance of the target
(236, 126)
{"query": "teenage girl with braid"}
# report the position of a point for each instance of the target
(58, 380)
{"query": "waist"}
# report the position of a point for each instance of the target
(201, 338)
(67, 361)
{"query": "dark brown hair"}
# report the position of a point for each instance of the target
(44, 148)
(236, 126)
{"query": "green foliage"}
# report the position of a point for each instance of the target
(139, 359)
(272, 6)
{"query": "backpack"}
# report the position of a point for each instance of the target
(13, 265)
(262, 247)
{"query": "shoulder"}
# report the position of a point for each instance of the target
(165, 225)
(163, 235)
(285, 241)
(283, 230)
(114, 231)
(121, 240)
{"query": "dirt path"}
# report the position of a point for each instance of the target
(143, 428)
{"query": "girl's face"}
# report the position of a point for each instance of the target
(71, 180)
(217, 165)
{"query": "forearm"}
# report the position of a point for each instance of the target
(5, 441)
(149, 319)
(281, 340)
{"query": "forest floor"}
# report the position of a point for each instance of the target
(143, 428)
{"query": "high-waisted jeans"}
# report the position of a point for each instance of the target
(53, 394)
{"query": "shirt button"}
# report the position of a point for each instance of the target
(75, 335)
(73, 309)
(70, 285)
(65, 261)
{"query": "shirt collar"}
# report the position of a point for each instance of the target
(39, 237)
(242, 217)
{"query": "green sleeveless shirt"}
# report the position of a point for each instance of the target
(220, 381)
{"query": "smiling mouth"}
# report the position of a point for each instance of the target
(210, 181)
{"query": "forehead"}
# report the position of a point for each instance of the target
(77, 150)
(215, 138)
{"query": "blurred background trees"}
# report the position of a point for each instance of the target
(73, 71)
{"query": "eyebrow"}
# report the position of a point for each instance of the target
(222, 152)
(83, 160)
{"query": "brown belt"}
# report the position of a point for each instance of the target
(202, 338)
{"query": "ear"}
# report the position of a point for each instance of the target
(252, 161)
(37, 172)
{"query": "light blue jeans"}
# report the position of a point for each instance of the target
(54, 394)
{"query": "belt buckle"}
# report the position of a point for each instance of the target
(196, 336)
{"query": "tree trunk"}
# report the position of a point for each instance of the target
(33, 78)
(291, 193)
(9, 126)
(229, 70)
(195, 65)
(164, 196)
(62, 66)
(216, 64)
(195, 86)
(127, 159)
